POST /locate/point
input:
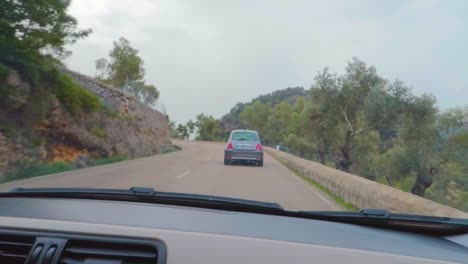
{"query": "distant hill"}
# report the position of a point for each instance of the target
(231, 120)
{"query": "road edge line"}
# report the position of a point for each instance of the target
(322, 189)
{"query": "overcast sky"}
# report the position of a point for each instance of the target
(205, 56)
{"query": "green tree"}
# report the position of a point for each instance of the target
(394, 165)
(453, 121)
(126, 71)
(459, 141)
(297, 144)
(190, 126)
(451, 184)
(208, 128)
(429, 145)
(255, 116)
(125, 64)
(320, 130)
(102, 72)
(145, 93)
(371, 127)
(279, 122)
(182, 131)
(357, 103)
(366, 151)
(420, 138)
(232, 120)
(32, 28)
(172, 130)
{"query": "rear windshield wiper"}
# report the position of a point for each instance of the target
(149, 195)
(381, 218)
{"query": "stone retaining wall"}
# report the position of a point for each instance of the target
(364, 193)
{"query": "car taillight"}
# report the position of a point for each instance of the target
(229, 146)
(258, 147)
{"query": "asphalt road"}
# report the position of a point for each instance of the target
(197, 168)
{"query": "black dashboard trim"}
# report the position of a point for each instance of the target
(158, 244)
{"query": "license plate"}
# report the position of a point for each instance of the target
(243, 146)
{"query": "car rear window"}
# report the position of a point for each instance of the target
(244, 135)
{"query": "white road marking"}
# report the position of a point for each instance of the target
(183, 174)
(327, 201)
(318, 192)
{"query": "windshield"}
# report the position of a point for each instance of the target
(248, 136)
(314, 106)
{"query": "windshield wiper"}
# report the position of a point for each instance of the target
(381, 218)
(149, 195)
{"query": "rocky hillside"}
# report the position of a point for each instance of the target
(38, 126)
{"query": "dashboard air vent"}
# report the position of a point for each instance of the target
(86, 251)
(14, 249)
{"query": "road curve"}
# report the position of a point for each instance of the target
(197, 168)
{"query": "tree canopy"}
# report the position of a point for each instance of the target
(126, 71)
(35, 28)
(206, 128)
(232, 119)
(361, 123)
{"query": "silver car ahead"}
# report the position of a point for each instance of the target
(244, 145)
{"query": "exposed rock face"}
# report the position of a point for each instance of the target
(123, 127)
(14, 150)
(19, 94)
(7, 152)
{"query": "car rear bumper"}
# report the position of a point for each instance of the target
(243, 155)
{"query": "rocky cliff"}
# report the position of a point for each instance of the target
(122, 126)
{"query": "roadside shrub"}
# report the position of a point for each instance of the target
(169, 149)
(5, 91)
(74, 97)
(118, 115)
(7, 131)
(24, 171)
(4, 71)
(99, 132)
(44, 76)
(107, 160)
(405, 184)
(29, 170)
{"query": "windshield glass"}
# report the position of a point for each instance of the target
(241, 135)
(357, 105)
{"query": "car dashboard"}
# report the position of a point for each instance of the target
(99, 231)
